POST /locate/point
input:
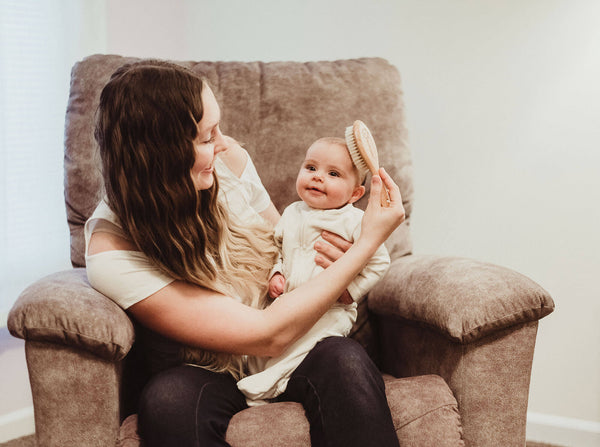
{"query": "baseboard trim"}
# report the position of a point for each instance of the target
(563, 431)
(16, 424)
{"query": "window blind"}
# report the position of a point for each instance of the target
(36, 55)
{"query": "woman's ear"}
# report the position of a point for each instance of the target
(357, 193)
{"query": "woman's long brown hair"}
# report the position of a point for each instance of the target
(146, 125)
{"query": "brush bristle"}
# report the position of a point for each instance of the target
(357, 158)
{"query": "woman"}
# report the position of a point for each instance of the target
(166, 245)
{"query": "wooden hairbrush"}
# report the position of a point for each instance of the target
(363, 151)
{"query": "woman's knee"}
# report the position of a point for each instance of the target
(344, 360)
(345, 354)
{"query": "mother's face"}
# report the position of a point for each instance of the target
(209, 141)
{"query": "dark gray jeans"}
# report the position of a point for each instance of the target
(340, 388)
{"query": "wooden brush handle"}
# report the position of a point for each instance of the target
(385, 197)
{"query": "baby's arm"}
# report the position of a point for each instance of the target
(277, 281)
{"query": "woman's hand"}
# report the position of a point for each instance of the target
(330, 249)
(378, 221)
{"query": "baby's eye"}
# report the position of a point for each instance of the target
(334, 174)
(310, 168)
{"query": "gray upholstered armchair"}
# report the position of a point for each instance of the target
(454, 337)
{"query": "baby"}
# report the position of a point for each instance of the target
(328, 184)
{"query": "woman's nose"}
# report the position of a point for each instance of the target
(220, 142)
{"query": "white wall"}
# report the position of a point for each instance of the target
(503, 104)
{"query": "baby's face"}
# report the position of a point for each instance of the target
(327, 178)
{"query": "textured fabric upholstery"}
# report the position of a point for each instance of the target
(75, 395)
(276, 110)
(62, 308)
(462, 298)
(456, 335)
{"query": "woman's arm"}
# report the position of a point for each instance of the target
(235, 157)
(206, 319)
(209, 320)
(271, 214)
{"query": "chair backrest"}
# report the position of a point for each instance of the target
(275, 109)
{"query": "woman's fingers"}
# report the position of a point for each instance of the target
(330, 249)
(395, 198)
(376, 187)
(337, 241)
(379, 221)
(390, 185)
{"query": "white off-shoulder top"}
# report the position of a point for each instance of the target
(127, 276)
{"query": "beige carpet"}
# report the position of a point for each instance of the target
(29, 441)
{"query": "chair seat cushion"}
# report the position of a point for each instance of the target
(424, 411)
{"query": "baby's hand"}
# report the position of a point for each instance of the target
(345, 298)
(276, 285)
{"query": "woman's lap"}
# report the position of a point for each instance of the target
(343, 395)
(340, 388)
(188, 406)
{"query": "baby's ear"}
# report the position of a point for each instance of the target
(357, 193)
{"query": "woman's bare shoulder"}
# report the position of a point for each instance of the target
(101, 241)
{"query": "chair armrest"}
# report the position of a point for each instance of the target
(64, 309)
(461, 298)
